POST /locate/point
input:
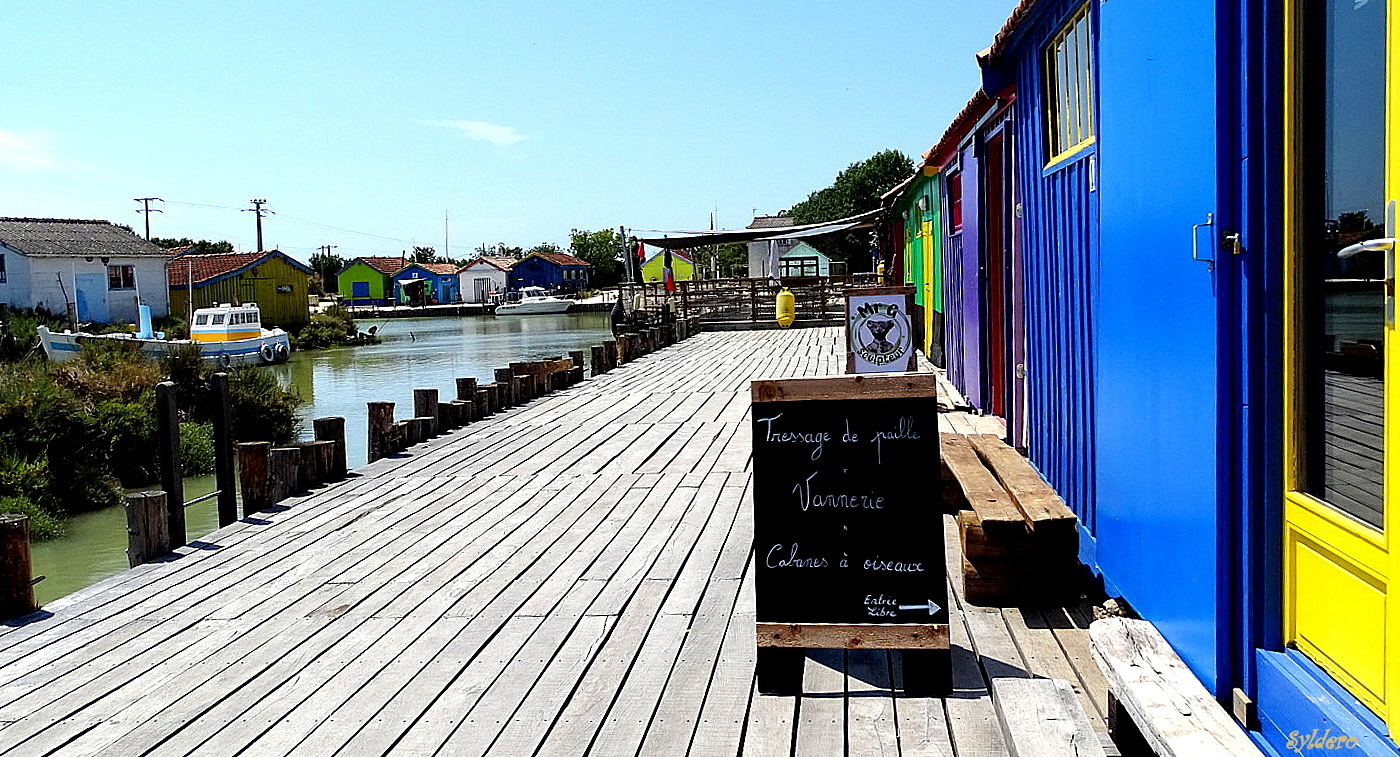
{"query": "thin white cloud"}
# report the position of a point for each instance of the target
(500, 136)
(26, 151)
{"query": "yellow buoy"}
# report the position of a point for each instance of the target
(880, 273)
(787, 308)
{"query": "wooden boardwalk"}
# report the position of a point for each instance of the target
(569, 577)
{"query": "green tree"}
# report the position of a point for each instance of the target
(424, 255)
(544, 247)
(201, 247)
(602, 251)
(327, 265)
(855, 190)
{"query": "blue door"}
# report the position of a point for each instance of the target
(92, 298)
(1160, 433)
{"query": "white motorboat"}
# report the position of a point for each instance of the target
(225, 334)
(534, 301)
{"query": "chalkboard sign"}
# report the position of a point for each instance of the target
(847, 521)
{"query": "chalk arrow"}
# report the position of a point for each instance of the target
(931, 607)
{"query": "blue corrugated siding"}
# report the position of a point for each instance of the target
(1060, 249)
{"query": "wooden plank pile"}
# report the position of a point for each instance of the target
(1020, 542)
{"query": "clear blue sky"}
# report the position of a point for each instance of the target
(519, 120)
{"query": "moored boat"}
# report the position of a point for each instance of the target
(226, 334)
(534, 301)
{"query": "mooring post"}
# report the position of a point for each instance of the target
(521, 386)
(577, 356)
(595, 363)
(168, 441)
(447, 417)
(286, 462)
(505, 377)
(16, 580)
(381, 430)
(307, 477)
(147, 531)
(223, 451)
(332, 430)
(425, 403)
(466, 389)
(254, 471)
(610, 359)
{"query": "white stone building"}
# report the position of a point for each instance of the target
(100, 270)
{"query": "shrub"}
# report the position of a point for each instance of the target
(263, 411)
(129, 429)
(322, 332)
(108, 369)
(196, 448)
(42, 526)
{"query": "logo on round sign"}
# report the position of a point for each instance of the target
(881, 333)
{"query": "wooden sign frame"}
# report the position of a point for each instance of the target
(780, 644)
(907, 361)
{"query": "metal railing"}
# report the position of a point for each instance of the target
(753, 300)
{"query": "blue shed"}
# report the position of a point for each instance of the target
(551, 270)
(427, 284)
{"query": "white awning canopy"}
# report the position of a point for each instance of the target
(684, 239)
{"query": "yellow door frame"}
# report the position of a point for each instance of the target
(1337, 569)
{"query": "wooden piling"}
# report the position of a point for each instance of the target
(403, 435)
(623, 345)
(483, 403)
(147, 528)
(610, 359)
(16, 581)
(505, 377)
(224, 476)
(575, 375)
(254, 475)
(284, 473)
(577, 356)
(171, 469)
(466, 389)
(597, 356)
(332, 430)
(322, 461)
(381, 430)
(463, 411)
(307, 477)
(421, 428)
(425, 405)
(447, 417)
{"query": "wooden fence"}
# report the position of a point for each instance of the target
(753, 300)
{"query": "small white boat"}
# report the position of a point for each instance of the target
(533, 301)
(228, 335)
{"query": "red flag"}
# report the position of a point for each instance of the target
(641, 252)
(667, 274)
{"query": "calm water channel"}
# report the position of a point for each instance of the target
(414, 353)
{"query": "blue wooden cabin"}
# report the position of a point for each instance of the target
(1204, 375)
(427, 284)
(551, 270)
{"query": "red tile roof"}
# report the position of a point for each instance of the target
(202, 268)
(390, 266)
(207, 267)
(1008, 30)
(441, 269)
(559, 258)
(962, 123)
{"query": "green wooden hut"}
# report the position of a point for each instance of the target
(278, 283)
(369, 280)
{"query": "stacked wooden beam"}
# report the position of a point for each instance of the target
(1020, 542)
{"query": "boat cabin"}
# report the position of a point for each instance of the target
(226, 323)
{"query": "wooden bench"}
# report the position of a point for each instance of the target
(1154, 694)
(1020, 542)
(1041, 717)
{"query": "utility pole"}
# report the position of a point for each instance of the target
(148, 210)
(258, 211)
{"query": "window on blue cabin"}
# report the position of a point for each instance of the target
(1069, 86)
(359, 289)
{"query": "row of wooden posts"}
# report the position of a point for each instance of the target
(267, 474)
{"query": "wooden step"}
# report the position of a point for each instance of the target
(1041, 717)
(996, 511)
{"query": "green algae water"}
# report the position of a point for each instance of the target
(413, 353)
